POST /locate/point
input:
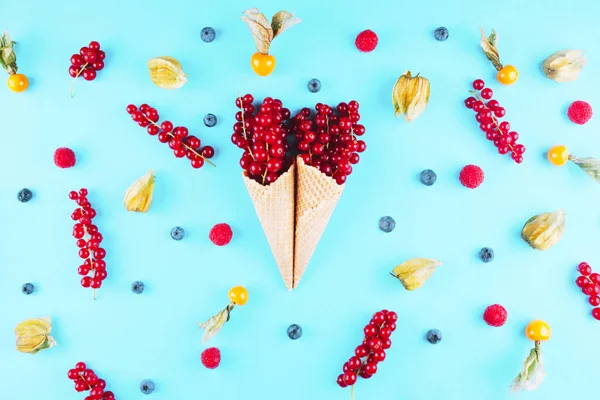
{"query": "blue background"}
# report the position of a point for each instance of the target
(127, 338)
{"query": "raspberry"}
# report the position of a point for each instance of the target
(366, 41)
(64, 157)
(211, 358)
(580, 112)
(495, 315)
(220, 234)
(471, 176)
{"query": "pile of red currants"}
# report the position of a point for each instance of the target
(263, 137)
(328, 141)
(178, 138)
(488, 113)
(87, 63)
(372, 350)
(88, 242)
(590, 285)
(86, 379)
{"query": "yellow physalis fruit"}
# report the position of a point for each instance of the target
(138, 197)
(238, 295)
(410, 96)
(8, 60)
(33, 335)
(507, 74)
(414, 272)
(558, 155)
(545, 230)
(166, 72)
(538, 330)
(263, 33)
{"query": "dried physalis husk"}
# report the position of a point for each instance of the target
(264, 32)
(33, 335)
(532, 374)
(215, 323)
(589, 165)
(545, 230)
(414, 272)
(410, 96)
(138, 197)
(488, 45)
(565, 65)
(8, 58)
(166, 72)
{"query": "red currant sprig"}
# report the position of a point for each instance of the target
(88, 238)
(488, 114)
(263, 137)
(89, 60)
(182, 144)
(329, 140)
(589, 282)
(86, 379)
(372, 350)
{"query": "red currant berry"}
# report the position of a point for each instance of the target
(379, 355)
(596, 313)
(83, 270)
(392, 326)
(499, 112)
(595, 278)
(594, 301)
(101, 274)
(99, 253)
(77, 61)
(478, 106)
(208, 151)
(478, 84)
(385, 332)
(493, 104)
(73, 374)
(584, 268)
(94, 45)
(505, 127)
(98, 65)
(387, 343)
(361, 351)
(370, 330)
(378, 318)
(582, 281)
(350, 378)
(80, 366)
(81, 386)
(375, 343)
(89, 74)
(370, 368)
(96, 284)
(364, 375)
(354, 363)
(469, 102)
(180, 132)
(391, 317)
(340, 381)
(486, 93)
(197, 162)
(131, 108)
(153, 130)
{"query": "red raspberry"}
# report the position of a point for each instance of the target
(495, 315)
(366, 41)
(64, 157)
(580, 112)
(471, 176)
(211, 358)
(220, 234)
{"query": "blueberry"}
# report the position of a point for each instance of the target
(486, 254)
(434, 336)
(27, 288)
(210, 120)
(24, 195)
(147, 386)
(387, 224)
(428, 177)
(441, 34)
(294, 331)
(137, 287)
(314, 85)
(177, 233)
(208, 34)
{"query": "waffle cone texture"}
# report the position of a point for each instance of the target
(294, 212)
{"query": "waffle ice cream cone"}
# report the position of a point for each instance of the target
(316, 198)
(275, 206)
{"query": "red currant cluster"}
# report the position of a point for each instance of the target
(88, 241)
(86, 379)
(328, 141)
(590, 285)
(183, 145)
(263, 137)
(89, 61)
(372, 350)
(488, 113)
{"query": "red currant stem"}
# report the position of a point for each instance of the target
(494, 120)
(244, 128)
(184, 145)
(75, 79)
(352, 393)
